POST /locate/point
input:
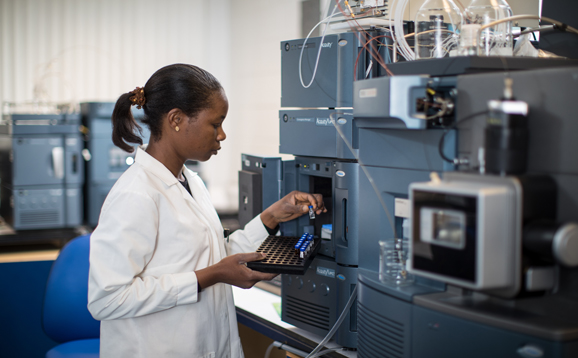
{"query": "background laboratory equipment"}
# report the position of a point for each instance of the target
(106, 162)
(42, 170)
(437, 29)
(259, 185)
(496, 40)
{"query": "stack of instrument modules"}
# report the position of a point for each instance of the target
(106, 161)
(42, 170)
(325, 164)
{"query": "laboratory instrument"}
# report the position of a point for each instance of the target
(105, 161)
(42, 170)
(404, 121)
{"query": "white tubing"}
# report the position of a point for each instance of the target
(336, 325)
(320, 47)
(398, 8)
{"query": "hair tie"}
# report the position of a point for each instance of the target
(138, 97)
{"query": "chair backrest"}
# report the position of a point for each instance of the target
(65, 316)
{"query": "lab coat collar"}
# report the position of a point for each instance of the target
(157, 168)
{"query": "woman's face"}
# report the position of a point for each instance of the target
(203, 134)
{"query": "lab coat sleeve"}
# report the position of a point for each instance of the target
(121, 246)
(248, 239)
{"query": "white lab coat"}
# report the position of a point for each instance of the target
(151, 237)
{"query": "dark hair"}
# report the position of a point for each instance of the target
(186, 87)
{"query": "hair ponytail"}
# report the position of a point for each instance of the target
(124, 124)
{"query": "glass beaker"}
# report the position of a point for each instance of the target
(495, 40)
(393, 255)
(469, 38)
(437, 29)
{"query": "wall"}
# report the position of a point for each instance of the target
(67, 50)
(252, 126)
(95, 50)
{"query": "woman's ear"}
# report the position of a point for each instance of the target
(174, 118)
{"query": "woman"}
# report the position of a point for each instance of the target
(160, 267)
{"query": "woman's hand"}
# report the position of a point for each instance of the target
(292, 206)
(233, 270)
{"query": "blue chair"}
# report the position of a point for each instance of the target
(65, 318)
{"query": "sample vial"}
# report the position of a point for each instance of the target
(304, 249)
(311, 212)
(298, 245)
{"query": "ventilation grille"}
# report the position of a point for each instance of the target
(308, 313)
(378, 336)
(39, 217)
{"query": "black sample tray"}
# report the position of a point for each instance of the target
(282, 257)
